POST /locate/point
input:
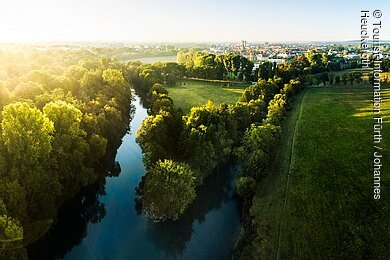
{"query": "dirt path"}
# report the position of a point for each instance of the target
(288, 177)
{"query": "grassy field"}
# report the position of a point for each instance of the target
(324, 162)
(190, 93)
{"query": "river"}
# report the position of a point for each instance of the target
(103, 223)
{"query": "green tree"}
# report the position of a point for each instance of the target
(264, 90)
(266, 70)
(345, 78)
(97, 145)
(151, 76)
(27, 134)
(386, 64)
(276, 109)
(291, 88)
(14, 196)
(205, 139)
(69, 144)
(113, 77)
(181, 57)
(256, 148)
(158, 136)
(91, 83)
(324, 77)
(246, 187)
(4, 95)
(232, 64)
(246, 68)
(357, 76)
(152, 136)
(337, 79)
(159, 89)
(10, 229)
(28, 90)
(169, 188)
(318, 62)
(161, 102)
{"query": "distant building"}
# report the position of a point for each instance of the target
(243, 45)
(284, 56)
(270, 59)
(278, 61)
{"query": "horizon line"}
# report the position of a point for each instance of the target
(177, 42)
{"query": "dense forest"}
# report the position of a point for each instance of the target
(63, 114)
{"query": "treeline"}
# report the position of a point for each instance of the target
(232, 66)
(144, 75)
(259, 140)
(329, 78)
(56, 131)
(210, 66)
(315, 68)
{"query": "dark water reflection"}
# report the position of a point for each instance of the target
(208, 228)
(72, 224)
(103, 223)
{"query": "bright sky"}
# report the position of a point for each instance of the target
(185, 20)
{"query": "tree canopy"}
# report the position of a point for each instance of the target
(169, 187)
(63, 114)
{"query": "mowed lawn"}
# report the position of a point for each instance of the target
(189, 93)
(327, 151)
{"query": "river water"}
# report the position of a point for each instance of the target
(103, 223)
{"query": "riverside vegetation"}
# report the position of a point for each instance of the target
(208, 136)
(64, 113)
(62, 120)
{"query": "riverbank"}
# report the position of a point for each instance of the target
(105, 223)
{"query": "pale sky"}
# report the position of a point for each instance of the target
(185, 20)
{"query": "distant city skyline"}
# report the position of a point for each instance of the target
(199, 21)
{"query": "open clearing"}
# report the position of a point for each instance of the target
(190, 93)
(329, 212)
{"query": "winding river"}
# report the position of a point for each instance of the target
(103, 222)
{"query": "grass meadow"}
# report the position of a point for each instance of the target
(190, 93)
(325, 162)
